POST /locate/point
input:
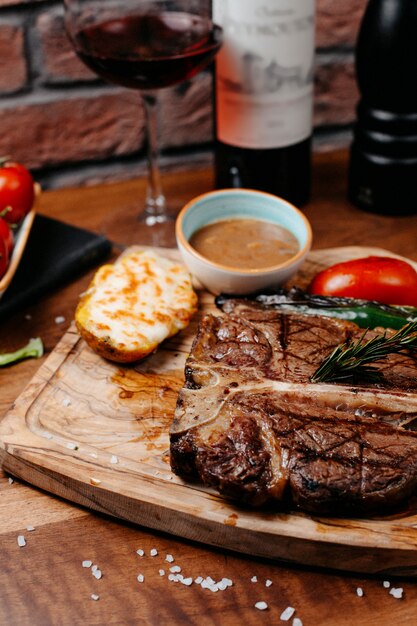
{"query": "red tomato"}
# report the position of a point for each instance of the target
(383, 279)
(7, 235)
(16, 192)
(4, 257)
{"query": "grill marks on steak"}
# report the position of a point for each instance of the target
(249, 423)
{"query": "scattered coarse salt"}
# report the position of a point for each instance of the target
(169, 558)
(386, 584)
(187, 581)
(174, 569)
(162, 572)
(94, 596)
(72, 446)
(254, 579)
(21, 541)
(30, 528)
(222, 585)
(198, 580)
(287, 614)
(140, 578)
(95, 481)
(66, 402)
(11, 481)
(140, 552)
(114, 459)
(87, 563)
(60, 319)
(153, 552)
(268, 583)
(297, 622)
(359, 592)
(97, 574)
(261, 606)
(397, 592)
(173, 577)
(228, 582)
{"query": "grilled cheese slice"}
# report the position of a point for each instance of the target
(133, 305)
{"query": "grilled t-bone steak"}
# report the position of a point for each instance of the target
(251, 424)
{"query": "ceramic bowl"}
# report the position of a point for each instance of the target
(240, 203)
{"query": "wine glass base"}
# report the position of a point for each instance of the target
(152, 220)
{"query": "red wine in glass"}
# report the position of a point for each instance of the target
(144, 45)
(149, 51)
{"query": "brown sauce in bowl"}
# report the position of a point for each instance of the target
(245, 243)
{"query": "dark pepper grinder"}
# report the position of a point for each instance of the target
(383, 156)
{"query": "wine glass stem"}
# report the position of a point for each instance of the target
(155, 205)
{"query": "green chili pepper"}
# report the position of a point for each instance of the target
(364, 313)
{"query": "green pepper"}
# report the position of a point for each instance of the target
(364, 313)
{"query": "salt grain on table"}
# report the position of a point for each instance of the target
(21, 541)
(114, 459)
(97, 574)
(254, 579)
(268, 583)
(297, 622)
(60, 319)
(10, 481)
(386, 584)
(153, 552)
(140, 578)
(262, 606)
(169, 558)
(359, 592)
(287, 614)
(140, 552)
(162, 572)
(30, 528)
(87, 563)
(94, 596)
(397, 592)
(66, 402)
(174, 569)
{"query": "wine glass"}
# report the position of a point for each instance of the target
(144, 45)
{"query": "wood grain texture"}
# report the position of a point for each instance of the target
(96, 433)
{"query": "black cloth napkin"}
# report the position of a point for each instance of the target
(54, 254)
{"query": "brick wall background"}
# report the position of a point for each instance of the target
(70, 128)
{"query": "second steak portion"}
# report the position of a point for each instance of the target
(249, 423)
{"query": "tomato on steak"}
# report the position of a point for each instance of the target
(384, 279)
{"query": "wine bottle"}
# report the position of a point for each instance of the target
(383, 157)
(263, 92)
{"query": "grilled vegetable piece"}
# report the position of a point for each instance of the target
(365, 313)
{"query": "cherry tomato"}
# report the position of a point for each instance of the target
(384, 279)
(16, 191)
(4, 257)
(7, 235)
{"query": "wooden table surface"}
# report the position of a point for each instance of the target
(44, 582)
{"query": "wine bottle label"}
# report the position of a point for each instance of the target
(264, 72)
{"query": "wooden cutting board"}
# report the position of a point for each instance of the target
(96, 433)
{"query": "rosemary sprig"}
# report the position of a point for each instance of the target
(349, 362)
